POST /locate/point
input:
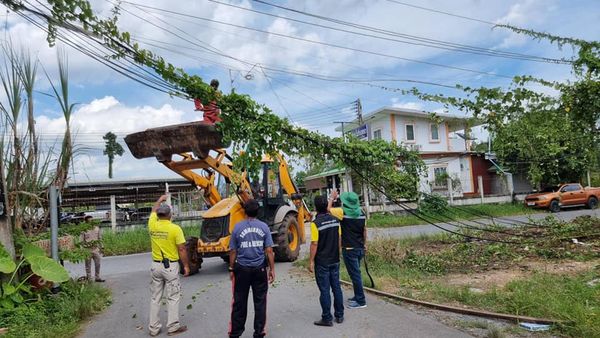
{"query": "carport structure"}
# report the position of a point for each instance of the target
(186, 196)
(85, 194)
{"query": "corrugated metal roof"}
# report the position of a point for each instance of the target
(330, 172)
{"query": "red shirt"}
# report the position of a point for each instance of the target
(211, 111)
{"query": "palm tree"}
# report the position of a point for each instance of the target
(111, 149)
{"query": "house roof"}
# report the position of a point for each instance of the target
(407, 112)
(330, 172)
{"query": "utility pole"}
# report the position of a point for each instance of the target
(359, 112)
(6, 236)
(343, 129)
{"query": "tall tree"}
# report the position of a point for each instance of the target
(112, 148)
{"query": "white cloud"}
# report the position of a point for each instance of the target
(93, 120)
(396, 103)
(108, 114)
(524, 13)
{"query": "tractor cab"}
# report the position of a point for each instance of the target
(270, 194)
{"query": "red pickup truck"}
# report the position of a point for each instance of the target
(569, 194)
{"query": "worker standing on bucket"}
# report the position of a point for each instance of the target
(211, 111)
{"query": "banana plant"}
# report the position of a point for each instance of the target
(13, 292)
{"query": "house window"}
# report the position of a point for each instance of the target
(377, 134)
(410, 132)
(434, 132)
(440, 178)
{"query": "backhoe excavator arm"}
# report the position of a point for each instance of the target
(291, 190)
(210, 165)
(205, 182)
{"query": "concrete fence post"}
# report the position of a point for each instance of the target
(169, 202)
(480, 187)
(365, 189)
(450, 190)
(510, 184)
(113, 212)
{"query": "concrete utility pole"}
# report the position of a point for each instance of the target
(6, 236)
(53, 196)
(343, 129)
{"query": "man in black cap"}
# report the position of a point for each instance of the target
(168, 246)
(250, 249)
(325, 262)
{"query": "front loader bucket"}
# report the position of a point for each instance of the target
(197, 137)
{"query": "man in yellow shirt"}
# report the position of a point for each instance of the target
(168, 246)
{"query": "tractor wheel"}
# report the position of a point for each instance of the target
(554, 206)
(191, 247)
(592, 202)
(288, 241)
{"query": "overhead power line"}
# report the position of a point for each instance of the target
(420, 41)
(409, 36)
(443, 12)
(333, 45)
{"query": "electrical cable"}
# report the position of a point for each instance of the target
(407, 36)
(358, 50)
(442, 12)
(473, 50)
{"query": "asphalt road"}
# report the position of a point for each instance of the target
(292, 306)
(428, 229)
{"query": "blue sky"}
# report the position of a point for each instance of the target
(108, 101)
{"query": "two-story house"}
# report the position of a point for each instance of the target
(444, 143)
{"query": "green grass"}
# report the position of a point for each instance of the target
(57, 315)
(135, 241)
(566, 298)
(417, 267)
(453, 212)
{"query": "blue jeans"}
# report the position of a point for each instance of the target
(328, 277)
(352, 260)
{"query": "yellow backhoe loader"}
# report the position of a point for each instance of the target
(195, 151)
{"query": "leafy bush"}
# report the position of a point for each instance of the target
(58, 315)
(33, 262)
(433, 203)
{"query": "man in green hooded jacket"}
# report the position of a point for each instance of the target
(354, 241)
